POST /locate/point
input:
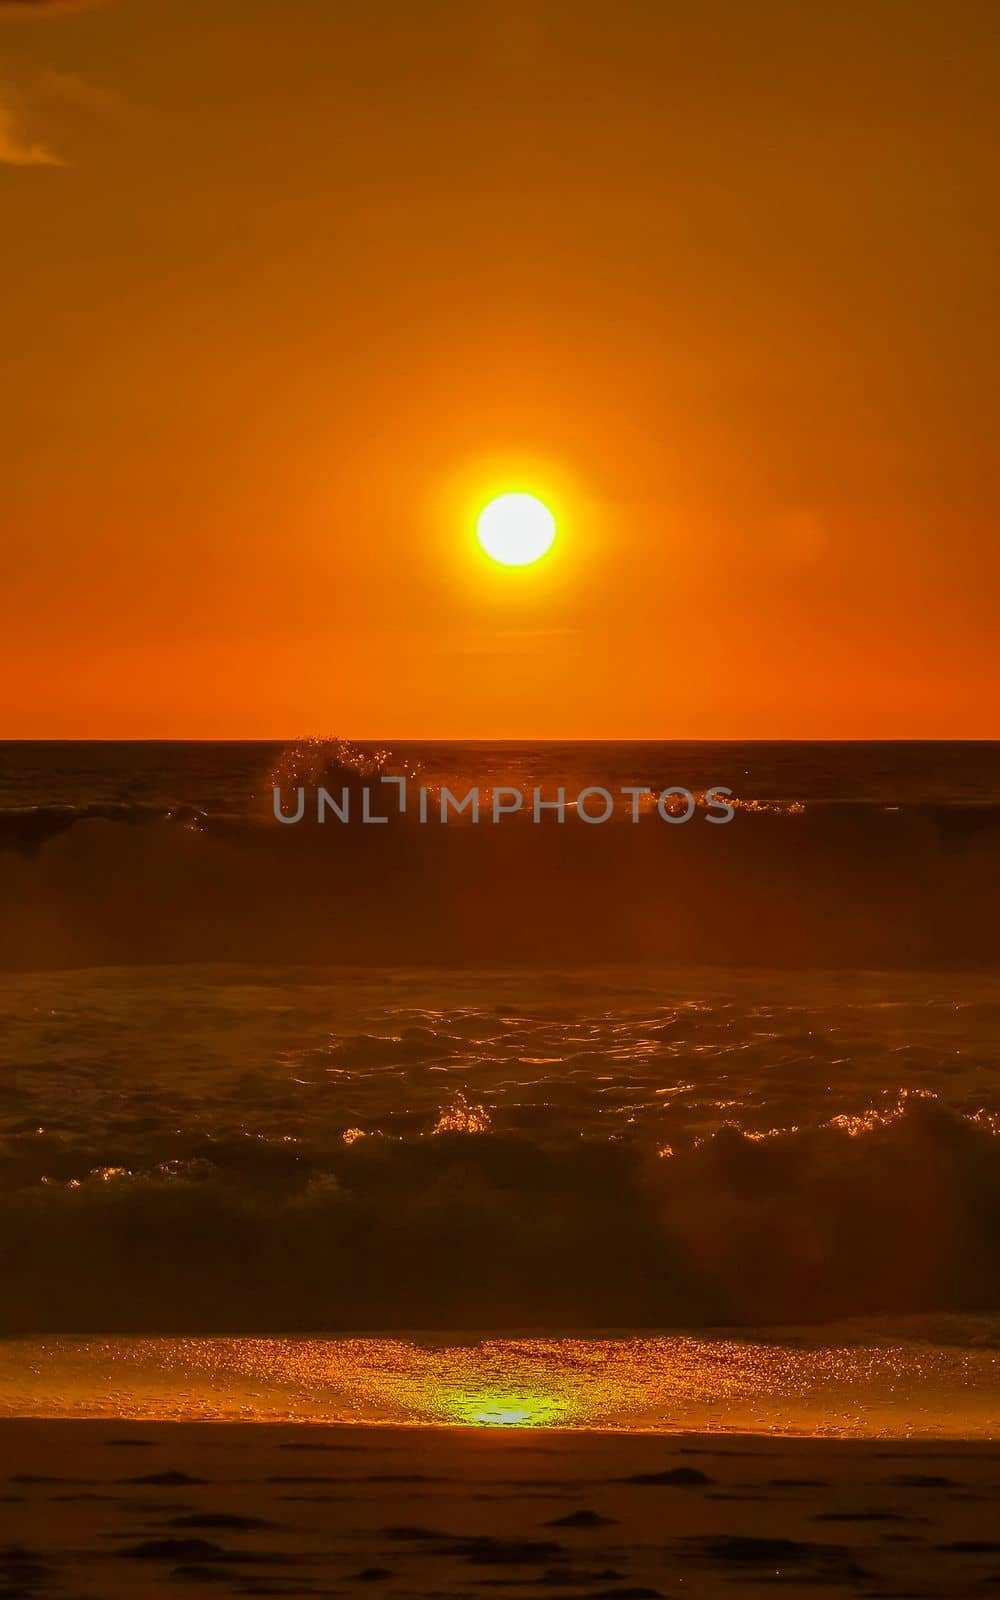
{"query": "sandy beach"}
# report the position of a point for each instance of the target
(97, 1508)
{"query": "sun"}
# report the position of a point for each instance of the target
(516, 529)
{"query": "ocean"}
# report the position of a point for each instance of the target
(230, 778)
(835, 855)
(257, 1078)
(848, 1381)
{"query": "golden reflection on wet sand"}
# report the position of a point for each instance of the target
(671, 1384)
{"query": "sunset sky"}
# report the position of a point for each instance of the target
(290, 288)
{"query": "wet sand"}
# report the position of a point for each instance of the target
(89, 1509)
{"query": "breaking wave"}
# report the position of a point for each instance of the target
(476, 1228)
(117, 881)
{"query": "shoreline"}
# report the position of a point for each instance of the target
(924, 1444)
(128, 1432)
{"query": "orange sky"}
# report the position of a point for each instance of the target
(289, 287)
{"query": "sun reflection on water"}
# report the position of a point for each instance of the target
(880, 1387)
(508, 1410)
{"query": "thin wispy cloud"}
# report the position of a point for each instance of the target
(17, 150)
(71, 89)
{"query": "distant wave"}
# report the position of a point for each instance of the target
(845, 884)
(470, 1229)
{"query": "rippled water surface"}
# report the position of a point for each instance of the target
(127, 1069)
(662, 1383)
(204, 1149)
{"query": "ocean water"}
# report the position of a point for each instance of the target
(871, 855)
(262, 1079)
(210, 1148)
(852, 1383)
(230, 778)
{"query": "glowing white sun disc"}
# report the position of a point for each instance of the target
(516, 529)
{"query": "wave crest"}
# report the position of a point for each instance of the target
(498, 1231)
